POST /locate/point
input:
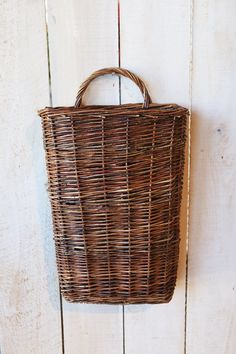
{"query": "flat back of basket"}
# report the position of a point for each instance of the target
(115, 182)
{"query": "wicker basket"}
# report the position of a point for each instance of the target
(115, 181)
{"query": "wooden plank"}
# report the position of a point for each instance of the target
(155, 37)
(83, 38)
(211, 325)
(30, 309)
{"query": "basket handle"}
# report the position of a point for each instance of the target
(118, 71)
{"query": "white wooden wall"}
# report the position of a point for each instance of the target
(185, 50)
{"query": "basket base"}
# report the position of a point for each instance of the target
(120, 301)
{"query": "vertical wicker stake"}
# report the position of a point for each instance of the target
(115, 182)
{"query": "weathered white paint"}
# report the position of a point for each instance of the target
(29, 297)
(155, 41)
(211, 315)
(156, 44)
(83, 38)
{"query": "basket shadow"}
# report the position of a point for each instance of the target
(181, 274)
(86, 308)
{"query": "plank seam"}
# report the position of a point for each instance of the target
(189, 167)
(119, 65)
(51, 102)
(119, 48)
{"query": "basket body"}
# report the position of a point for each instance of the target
(115, 182)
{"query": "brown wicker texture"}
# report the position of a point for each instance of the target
(115, 181)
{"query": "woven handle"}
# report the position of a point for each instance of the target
(119, 71)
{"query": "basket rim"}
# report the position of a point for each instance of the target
(135, 108)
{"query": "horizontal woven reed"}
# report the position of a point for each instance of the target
(115, 182)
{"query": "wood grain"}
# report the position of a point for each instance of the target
(83, 37)
(155, 39)
(155, 43)
(211, 325)
(29, 297)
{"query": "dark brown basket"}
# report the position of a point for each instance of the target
(115, 181)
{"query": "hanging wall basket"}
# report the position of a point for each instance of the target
(115, 183)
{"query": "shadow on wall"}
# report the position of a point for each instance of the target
(183, 223)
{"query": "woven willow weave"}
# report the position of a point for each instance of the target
(115, 181)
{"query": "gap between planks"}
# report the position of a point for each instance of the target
(189, 166)
(119, 65)
(51, 104)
